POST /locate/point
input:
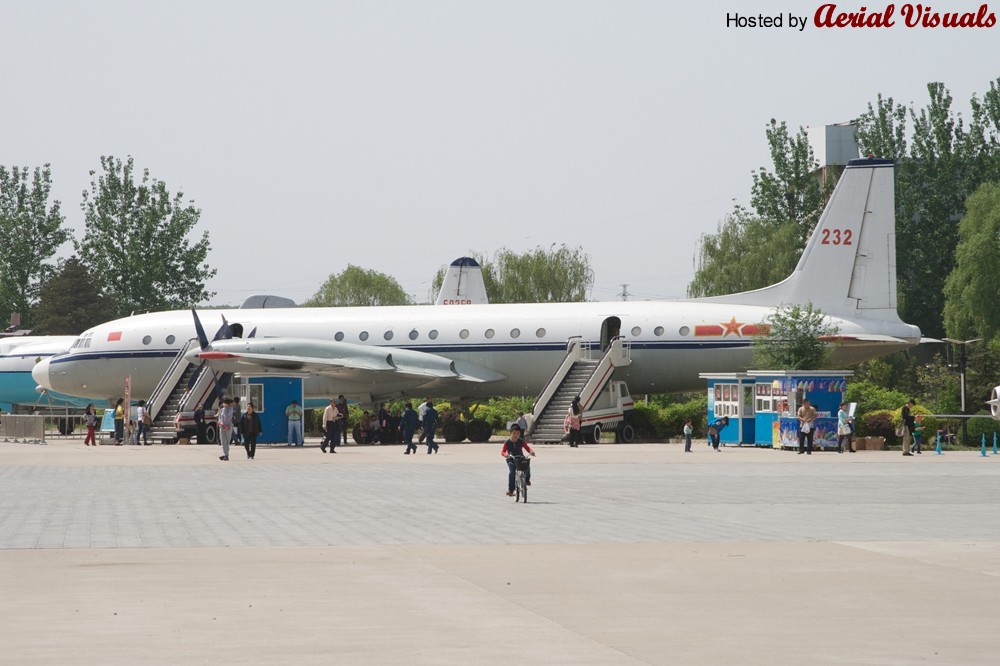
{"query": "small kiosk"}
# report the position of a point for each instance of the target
(763, 404)
(271, 395)
(731, 394)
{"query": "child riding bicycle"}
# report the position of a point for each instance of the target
(514, 447)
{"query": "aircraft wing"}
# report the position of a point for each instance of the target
(337, 359)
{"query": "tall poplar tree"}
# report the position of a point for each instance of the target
(136, 241)
(31, 231)
(755, 247)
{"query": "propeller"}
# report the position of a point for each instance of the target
(200, 330)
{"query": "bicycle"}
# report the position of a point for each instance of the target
(521, 466)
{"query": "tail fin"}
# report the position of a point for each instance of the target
(463, 284)
(849, 265)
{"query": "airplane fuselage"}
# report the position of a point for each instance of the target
(18, 357)
(671, 342)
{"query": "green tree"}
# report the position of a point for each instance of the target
(760, 246)
(70, 302)
(136, 241)
(359, 287)
(558, 274)
(794, 339)
(31, 230)
(729, 261)
(941, 165)
(792, 193)
(972, 292)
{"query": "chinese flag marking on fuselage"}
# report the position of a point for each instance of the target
(114, 336)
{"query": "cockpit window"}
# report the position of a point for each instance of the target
(82, 342)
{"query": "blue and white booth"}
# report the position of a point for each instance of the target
(270, 396)
(762, 405)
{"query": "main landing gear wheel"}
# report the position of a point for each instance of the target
(479, 431)
(454, 431)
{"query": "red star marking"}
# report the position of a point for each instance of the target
(733, 327)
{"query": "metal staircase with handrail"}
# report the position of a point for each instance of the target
(577, 375)
(182, 387)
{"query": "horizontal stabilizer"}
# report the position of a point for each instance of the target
(864, 337)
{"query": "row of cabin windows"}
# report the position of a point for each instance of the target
(148, 339)
(491, 333)
(433, 334)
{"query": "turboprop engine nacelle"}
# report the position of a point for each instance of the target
(994, 402)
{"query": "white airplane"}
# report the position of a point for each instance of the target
(848, 271)
(994, 403)
(18, 355)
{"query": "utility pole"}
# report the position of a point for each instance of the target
(624, 295)
(961, 372)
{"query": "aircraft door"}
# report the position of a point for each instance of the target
(610, 329)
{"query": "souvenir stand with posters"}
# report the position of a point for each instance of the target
(825, 390)
(763, 404)
(731, 394)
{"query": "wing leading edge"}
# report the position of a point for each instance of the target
(343, 360)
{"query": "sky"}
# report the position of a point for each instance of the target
(398, 135)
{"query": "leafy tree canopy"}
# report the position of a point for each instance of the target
(31, 231)
(754, 248)
(70, 302)
(733, 260)
(794, 339)
(972, 291)
(359, 287)
(941, 160)
(136, 241)
(559, 274)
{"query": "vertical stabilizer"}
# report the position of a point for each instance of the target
(849, 265)
(463, 284)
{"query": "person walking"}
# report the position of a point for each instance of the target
(574, 423)
(225, 423)
(688, 431)
(331, 420)
(294, 415)
(807, 426)
(345, 417)
(237, 416)
(119, 422)
(430, 425)
(199, 423)
(144, 421)
(844, 432)
(421, 411)
(409, 424)
(715, 429)
(918, 432)
(90, 419)
(908, 426)
(250, 428)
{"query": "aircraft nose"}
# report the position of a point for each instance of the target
(40, 373)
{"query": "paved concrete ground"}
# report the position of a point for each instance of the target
(627, 554)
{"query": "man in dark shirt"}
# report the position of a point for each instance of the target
(430, 425)
(344, 421)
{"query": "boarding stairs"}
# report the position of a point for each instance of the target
(578, 375)
(182, 387)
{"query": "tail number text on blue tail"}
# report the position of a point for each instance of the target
(836, 237)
